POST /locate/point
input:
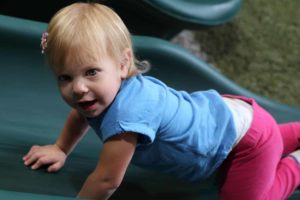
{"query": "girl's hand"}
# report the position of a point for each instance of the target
(50, 155)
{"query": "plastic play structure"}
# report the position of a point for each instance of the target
(160, 18)
(32, 112)
(164, 18)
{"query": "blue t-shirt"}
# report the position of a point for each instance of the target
(187, 135)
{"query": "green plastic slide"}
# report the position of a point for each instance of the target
(165, 18)
(161, 18)
(32, 112)
(198, 13)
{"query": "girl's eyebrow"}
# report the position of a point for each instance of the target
(87, 67)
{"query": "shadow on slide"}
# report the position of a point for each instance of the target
(32, 112)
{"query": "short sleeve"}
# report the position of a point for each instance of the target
(137, 108)
(146, 134)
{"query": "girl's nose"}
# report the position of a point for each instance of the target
(79, 88)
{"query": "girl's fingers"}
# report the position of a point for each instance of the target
(55, 167)
(37, 164)
(32, 158)
(43, 160)
(32, 150)
(45, 155)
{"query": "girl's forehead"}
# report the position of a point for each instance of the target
(83, 57)
(70, 68)
(80, 61)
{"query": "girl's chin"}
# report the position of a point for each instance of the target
(89, 113)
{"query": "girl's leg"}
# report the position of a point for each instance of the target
(287, 179)
(254, 170)
(260, 174)
(290, 133)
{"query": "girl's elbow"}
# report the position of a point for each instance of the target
(113, 184)
(109, 183)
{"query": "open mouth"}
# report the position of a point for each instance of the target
(87, 105)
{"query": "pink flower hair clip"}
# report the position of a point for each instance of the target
(44, 41)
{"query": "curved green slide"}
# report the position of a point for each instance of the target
(198, 13)
(32, 112)
(165, 18)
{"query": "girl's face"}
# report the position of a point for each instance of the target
(90, 88)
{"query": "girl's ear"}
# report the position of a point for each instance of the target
(125, 62)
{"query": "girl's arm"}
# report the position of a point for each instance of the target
(114, 159)
(74, 129)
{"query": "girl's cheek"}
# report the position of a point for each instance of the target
(66, 96)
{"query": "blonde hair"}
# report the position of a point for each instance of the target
(86, 31)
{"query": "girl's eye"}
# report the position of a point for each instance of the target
(91, 72)
(63, 78)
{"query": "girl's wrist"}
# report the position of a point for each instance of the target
(61, 149)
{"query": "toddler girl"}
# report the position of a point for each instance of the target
(143, 121)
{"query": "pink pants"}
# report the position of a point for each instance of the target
(258, 168)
